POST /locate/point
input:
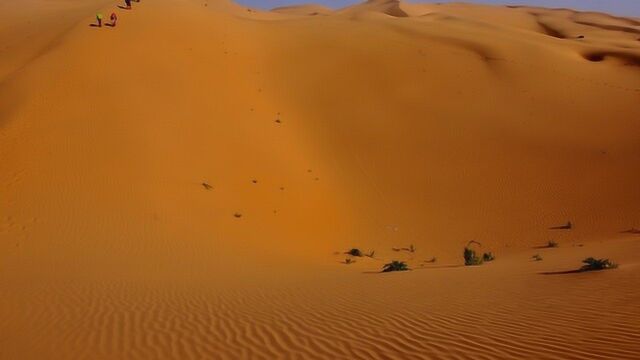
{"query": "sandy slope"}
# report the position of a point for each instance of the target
(380, 125)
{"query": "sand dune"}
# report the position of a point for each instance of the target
(185, 185)
(308, 9)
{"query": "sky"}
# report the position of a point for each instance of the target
(619, 7)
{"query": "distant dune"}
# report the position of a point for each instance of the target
(307, 9)
(186, 184)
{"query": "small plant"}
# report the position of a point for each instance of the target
(486, 257)
(237, 215)
(470, 258)
(431, 261)
(349, 261)
(370, 254)
(395, 266)
(410, 249)
(537, 257)
(592, 264)
(355, 252)
(552, 244)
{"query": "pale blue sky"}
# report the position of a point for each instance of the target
(620, 7)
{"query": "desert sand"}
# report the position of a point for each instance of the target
(185, 185)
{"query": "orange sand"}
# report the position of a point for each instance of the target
(376, 126)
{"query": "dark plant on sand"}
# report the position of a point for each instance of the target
(552, 244)
(470, 257)
(349, 261)
(410, 249)
(370, 254)
(355, 252)
(537, 257)
(592, 264)
(395, 265)
(486, 257)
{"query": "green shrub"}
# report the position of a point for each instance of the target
(592, 264)
(470, 257)
(486, 257)
(395, 266)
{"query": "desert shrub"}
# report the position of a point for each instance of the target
(349, 261)
(395, 266)
(355, 252)
(537, 257)
(470, 257)
(370, 254)
(432, 260)
(552, 244)
(591, 264)
(488, 257)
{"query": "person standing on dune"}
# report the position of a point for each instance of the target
(99, 19)
(114, 19)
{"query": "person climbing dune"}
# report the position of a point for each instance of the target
(114, 19)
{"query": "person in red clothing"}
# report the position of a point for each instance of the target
(114, 19)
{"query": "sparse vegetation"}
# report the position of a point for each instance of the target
(537, 257)
(395, 265)
(486, 257)
(355, 252)
(432, 260)
(349, 261)
(410, 249)
(237, 215)
(552, 244)
(370, 254)
(470, 257)
(593, 264)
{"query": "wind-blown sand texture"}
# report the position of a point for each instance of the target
(185, 185)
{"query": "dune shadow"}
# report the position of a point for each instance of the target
(629, 59)
(619, 28)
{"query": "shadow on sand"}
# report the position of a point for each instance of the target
(565, 272)
(633, 231)
(418, 268)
